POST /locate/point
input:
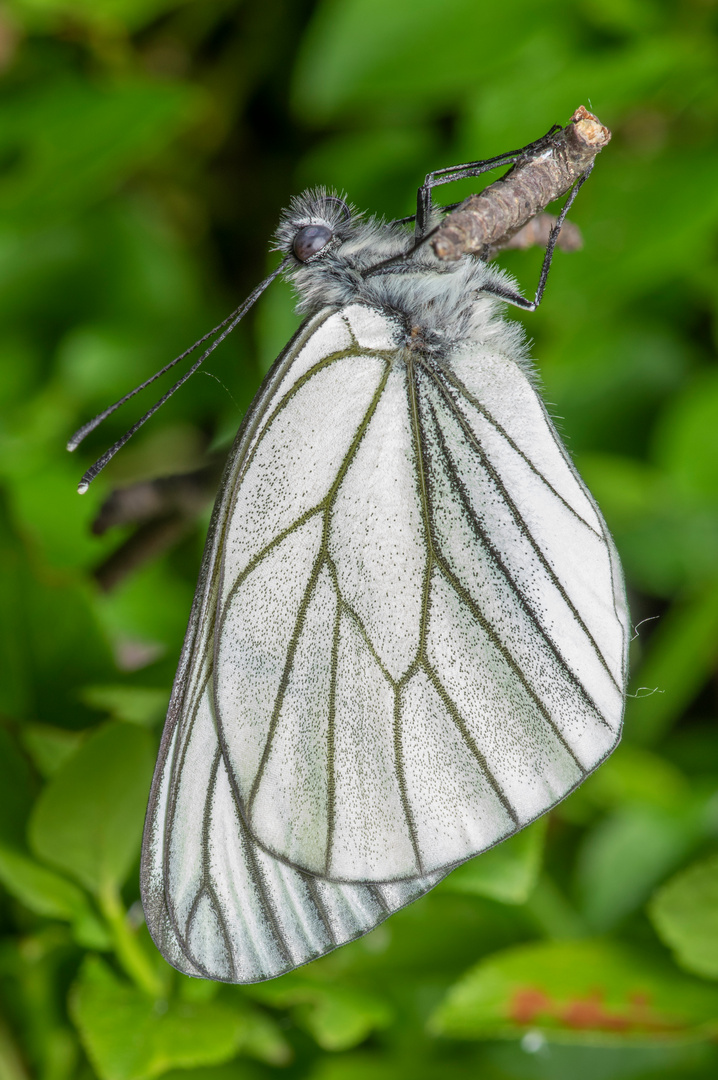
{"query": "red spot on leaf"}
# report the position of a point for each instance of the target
(529, 1005)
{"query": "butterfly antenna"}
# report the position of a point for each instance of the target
(226, 326)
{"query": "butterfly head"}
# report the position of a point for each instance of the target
(313, 225)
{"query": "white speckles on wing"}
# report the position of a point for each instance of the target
(331, 337)
(194, 764)
(236, 914)
(233, 870)
(377, 538)
(514, 410)
(510, 566)
(206, 937)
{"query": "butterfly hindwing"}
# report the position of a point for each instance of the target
(218, 905)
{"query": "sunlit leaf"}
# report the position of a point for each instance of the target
(50, 747)
(627, 853)
(130, 1036)
(88, 136)
(88, 820)
(142, 705)
(48, 894)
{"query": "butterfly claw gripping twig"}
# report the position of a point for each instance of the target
(504, 207)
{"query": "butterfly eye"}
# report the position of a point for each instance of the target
(309, 240)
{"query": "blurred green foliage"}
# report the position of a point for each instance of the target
(146, 148)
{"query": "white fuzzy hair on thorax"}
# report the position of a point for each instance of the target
(444, 304)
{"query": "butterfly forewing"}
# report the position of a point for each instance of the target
(418, 618)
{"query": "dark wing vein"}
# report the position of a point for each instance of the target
(524, 529)
(489, 629)
(481, 533)
(605, 536)
(206, 886)
(422, 470)
(284, 681)
(469, 740)
(331, 785)
(463, 390)
(181, 748)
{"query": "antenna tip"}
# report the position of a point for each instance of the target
(82, 487)
(72, 445)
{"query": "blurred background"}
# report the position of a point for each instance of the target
(146, 149)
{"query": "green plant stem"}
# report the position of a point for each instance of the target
(127, 948)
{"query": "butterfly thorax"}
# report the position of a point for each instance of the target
(436, 306)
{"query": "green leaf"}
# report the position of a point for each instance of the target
(591, 992)
(534, 1059)
(262, 1038)
(128, 1035)
(624, 857)
(142, 705)
(65, 648)
(88, 820)
(635, 775)
(232, 1071)
(362, 54)
(686, 439)
(48, 894)
(508, 872)
(337, 1017)
(50, 747)
(685, 914)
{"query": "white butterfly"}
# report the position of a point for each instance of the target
(409, 635)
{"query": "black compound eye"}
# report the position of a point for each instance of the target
(309, 240)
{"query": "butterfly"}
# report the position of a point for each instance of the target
(410, 631)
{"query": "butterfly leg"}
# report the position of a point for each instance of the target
(511, 296)
(466, 171)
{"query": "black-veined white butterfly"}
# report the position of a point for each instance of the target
(409, 636)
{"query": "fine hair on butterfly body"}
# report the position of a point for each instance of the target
(409, 635)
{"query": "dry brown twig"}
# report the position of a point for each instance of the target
(488, 222)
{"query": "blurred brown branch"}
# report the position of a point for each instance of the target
(163, 510)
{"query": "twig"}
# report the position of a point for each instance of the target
(535, 233)
(500, 210)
